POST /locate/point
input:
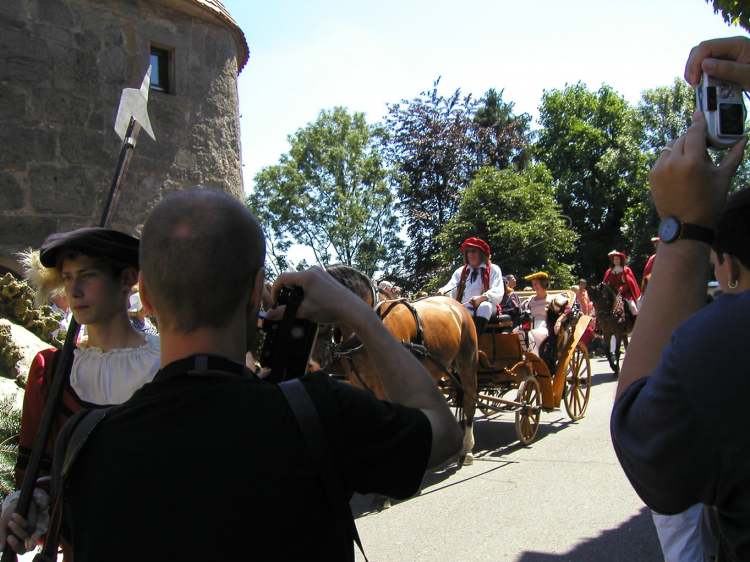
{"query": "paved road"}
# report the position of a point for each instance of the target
(563, 498)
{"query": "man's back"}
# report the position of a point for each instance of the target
(146, 487)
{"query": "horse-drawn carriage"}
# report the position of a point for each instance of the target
(440, 332)
(506, 367)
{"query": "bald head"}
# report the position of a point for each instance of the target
(201, 250)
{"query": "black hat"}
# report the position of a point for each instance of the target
(91, 241)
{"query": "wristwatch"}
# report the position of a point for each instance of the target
(672, 229)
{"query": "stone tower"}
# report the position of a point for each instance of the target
(63, 65)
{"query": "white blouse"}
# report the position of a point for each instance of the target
(111, 377)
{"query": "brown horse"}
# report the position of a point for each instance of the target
(612, 319)
(438, 330)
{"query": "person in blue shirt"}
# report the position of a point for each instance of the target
(677, 424)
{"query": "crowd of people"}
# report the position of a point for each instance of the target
(139, 489)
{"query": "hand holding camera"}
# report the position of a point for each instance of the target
(326, 301)
(303, 300)
(685, 183)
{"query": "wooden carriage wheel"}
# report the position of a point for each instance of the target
(578, 383)
(527, 416)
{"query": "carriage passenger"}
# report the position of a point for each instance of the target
(622, 279)
(537, 306)
(478, 284)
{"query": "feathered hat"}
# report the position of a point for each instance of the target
(40, 267)
(46, 281)
(614, 253)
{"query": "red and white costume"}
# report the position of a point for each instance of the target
(97, 379)
(485, 280)
(622, 279)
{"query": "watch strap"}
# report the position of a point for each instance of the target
(690, 231)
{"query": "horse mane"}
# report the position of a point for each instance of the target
(354, 280)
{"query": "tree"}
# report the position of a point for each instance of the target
(734, 12)
(590, 142)
(331, 193)
(436, 144)
(516, 213)
(503, 138)
(665, 113)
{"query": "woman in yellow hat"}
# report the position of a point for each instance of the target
(537, 306)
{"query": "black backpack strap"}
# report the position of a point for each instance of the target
(68, 446)
(309, 423)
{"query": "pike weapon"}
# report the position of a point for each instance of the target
(132, 116)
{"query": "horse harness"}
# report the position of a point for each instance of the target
(417, 345)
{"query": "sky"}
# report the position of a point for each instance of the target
(306, 56)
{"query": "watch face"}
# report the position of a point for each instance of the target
(669, 229)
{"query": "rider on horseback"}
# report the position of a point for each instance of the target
(478, 284)
(622, 279)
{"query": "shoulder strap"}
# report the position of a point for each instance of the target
(68, 446)
(308, 420)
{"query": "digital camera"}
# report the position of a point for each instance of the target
(723, 107)
(288, 343)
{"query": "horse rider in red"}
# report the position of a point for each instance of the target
(622, 279)
(478, 284)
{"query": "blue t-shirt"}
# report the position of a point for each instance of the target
(681, 434)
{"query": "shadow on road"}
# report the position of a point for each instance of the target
(496, 436)
(602, 378)
(373, 503)
(635, 539)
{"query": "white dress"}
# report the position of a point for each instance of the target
(539, 331)
(111, 377)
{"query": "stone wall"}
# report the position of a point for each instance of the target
(63, 65)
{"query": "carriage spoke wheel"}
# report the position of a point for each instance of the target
(527, 415)
(578, 384)
(483, 406)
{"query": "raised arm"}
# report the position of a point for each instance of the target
(404, 379)
(684, 184)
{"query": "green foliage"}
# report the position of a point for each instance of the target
(516, 213)
(734, 12)
(590, 141)
(10, 429)
(503, 136)
(665, 114)
(331, 193)
(436, 144)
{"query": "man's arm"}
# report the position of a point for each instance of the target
(450, 288)
(497, 289)
(404, 379)
(687, 185)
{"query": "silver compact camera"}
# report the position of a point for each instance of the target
(723, 107)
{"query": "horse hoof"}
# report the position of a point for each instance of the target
(461, 460)
(468, 460)
(386, 504)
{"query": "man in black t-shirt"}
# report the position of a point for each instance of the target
(207, 462)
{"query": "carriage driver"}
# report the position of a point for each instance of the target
(478, 284)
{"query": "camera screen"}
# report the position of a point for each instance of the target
(731, 119)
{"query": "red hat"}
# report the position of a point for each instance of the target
(477, 243)
(614, 253)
